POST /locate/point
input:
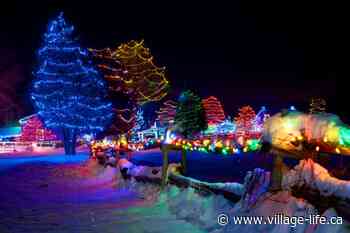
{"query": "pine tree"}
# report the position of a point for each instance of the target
(190, 115)
(245, 120)
(213, 110)
(317, 105)
(67, 91)
(166, 114)
(130, 69)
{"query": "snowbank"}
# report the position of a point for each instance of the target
(144, 171)
(313, 175)
(187, 204)
(283, 128)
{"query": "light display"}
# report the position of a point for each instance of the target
(317, 105)
(68, 92)
(190, 115)
(166, 114)
(116, 145)
(33, 130)
(259, 120)
(226, 127)
(123, 122)
(139, 121)
(245, 120)
(213, 110)
(322, 132)
(218, 146)
(130, 69)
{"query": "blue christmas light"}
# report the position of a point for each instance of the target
(68, 92)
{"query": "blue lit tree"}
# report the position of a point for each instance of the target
(68, 92)
(139, 123)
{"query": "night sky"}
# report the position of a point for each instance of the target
(247, 52)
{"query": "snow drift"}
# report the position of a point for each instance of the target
(189, 205)
(313, 175)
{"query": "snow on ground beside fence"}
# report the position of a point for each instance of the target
(314, 176)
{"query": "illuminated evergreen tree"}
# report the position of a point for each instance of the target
(213, 110)
(317, 105)
(166, 114)
(190, 115)
(68, 92)
(245, 120)
(123, 122)
(130, 69)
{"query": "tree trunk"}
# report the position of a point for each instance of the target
(69, 141)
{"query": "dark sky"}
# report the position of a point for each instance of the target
(272, 53)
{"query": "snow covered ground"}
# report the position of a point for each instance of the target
(203, 211)
(58, 193)
(316, 177)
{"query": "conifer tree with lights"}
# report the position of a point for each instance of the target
(213, 110)
(166, 114)
(245, 121)
(317, 105)
(130, 69)
(68, 92)
(190, 115)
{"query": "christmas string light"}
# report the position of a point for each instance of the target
(68, 92)
(213, 110)
(245, 121)
(166, 114)
(33, 130)
(130, 69)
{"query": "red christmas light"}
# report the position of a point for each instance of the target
(244, 120)
(32, 129)
(213, 110)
